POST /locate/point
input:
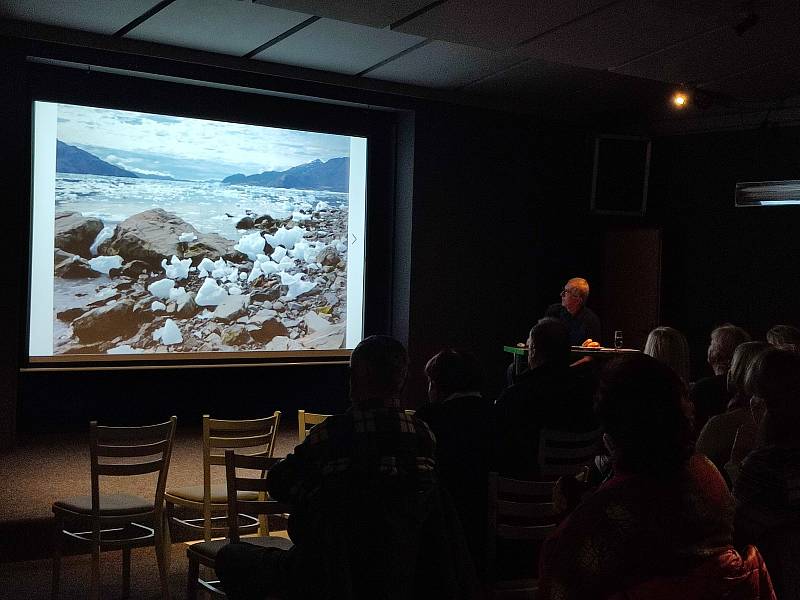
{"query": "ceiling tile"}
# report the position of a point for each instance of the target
(338, 46)
(375, 14)
(619, 33)
(443, 65)
(97, 16)
(224, 26)
(493, 25)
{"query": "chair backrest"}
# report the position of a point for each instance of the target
(305, 421)
(254, 437)
(128, 451)
(238, 482)
(565, 452)
(518, 510)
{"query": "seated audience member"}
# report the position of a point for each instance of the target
(785, 337)
(670, 347)
(717, 436)
(582, 324)
(662, 526)
(550, 395)
(711, 395)
(461, 420)
(368, 519)
(767, 491)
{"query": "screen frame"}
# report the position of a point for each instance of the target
(53, 83)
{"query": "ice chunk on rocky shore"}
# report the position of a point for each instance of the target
(103, 264)
(322, 205)
(169, 334)
(187, 237)
(279, 253)
(282, 343)
(177, 293)
(286, 237)
(156, 305)
(177, 268)
(105, 233)
(205, 267)
(161, 288)
(296, 285)
(210, 293)
(251, 245)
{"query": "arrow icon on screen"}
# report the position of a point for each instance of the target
(354, 238)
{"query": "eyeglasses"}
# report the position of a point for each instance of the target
(573, 293)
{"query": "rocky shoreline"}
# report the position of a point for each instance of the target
(163, 286)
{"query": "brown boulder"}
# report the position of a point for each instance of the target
(75, 268)
(245, 223)
(328, 257)
(75, 233)
(152, 235)
(106, 323)
(267, 330)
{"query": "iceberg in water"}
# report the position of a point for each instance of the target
(286, 237)
(296, 285)
(103, 264)
(161, 288)
(168, 334)
(251, 245)
(177, 268)
(210, 293)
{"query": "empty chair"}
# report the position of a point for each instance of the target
(518, 510)
(565, 452)
(247, 496)
(305, 421)
(118, 521)
(252, 436)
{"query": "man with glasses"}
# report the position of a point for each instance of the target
(582, 323)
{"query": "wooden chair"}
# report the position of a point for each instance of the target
(252, 436)
(305, 421)
(115, 521)
(205, 553)
(566, 453)
(518, 510)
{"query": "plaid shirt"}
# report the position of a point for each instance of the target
(367, 445)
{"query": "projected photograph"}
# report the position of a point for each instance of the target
(165, 234)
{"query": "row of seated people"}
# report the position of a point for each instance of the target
(661, 523)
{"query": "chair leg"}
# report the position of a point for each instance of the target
(94, 584)
(161, 558)
(167, 543)
(191, 581)
(126, 572)
(57, 541)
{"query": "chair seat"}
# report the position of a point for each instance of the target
(110, 504)
(219, 493)
(209, 549)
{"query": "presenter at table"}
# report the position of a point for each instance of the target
(582, 324)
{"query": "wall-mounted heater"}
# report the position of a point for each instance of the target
(767, 193)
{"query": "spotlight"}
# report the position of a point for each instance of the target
(680, 99)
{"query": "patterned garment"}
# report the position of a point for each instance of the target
(385, 446)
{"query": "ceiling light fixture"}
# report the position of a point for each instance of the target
(680, 99)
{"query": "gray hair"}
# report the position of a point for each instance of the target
(581, 285)
(724, 341)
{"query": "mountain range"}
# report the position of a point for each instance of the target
(332, 175)
(71, 159)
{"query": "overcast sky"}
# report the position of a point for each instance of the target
(191, 148)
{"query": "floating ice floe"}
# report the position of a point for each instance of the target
(187, 237)
(103, 264)
(177, 268)
(210, 293)
(106, 233)
(156, 305)
(169, 334)
(286, 237)
(124, 349)
(251, 245)
(296, 285)
(161, 288)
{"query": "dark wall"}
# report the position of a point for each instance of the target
(722, 263)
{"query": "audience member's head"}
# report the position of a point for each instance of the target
(670, 347)
(575, 294)
(642, 407)
(776, 382)
(739, 380)
(452, 371)
(378, 371)
(785, 337)
(548, 343)
(724, 340)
